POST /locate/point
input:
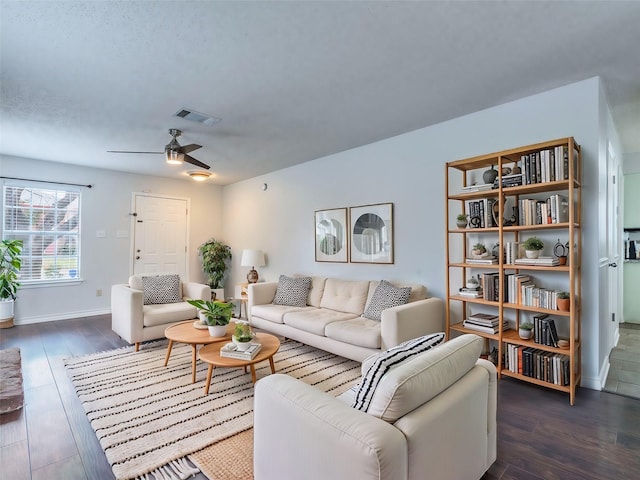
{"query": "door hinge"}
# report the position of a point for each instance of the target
(613, 316)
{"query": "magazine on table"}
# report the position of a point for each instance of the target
(230, 350)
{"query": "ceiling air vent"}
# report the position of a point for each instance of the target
(197, 117)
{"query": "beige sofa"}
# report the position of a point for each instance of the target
(333, 320)
(137, 321)
(433, 417)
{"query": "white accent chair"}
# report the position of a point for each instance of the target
(136, 322)
(434, 418)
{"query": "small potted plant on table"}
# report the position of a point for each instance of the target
(242, 335)
(215, 315)
(525, 330)
(461, 220)
(532, 247)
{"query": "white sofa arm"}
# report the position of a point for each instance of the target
(126, 312)
(196, 291)
(260, 294)
(302, 432)
(411, 320)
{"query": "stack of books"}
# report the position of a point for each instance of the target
(484, 322)
(471, 292)
(545, 261)
(231, 351)
(482, 260)
(514, 180)
(477, 188)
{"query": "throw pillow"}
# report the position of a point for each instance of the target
(292, 291)
(386, 296)
(388, 360)
(161, 289)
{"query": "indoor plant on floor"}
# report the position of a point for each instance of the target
(215, 315)
(10, 263)
(215, 257)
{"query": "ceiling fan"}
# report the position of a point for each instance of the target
(174, 152)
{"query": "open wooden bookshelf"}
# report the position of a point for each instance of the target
(542, 200)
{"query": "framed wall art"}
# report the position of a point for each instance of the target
(331, 235)
(371, 233)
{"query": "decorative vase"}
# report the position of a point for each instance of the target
(489, 175)
(461, 223)
(524, 334)
(532, 253)
(217, 330)
(564, 304)
(242, 346)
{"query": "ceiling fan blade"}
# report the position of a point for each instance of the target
(195, 162)
(189, 148)
(128, 151)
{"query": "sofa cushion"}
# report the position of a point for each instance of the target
(315, 320)
(359, 331)
(292, 291)
(414, 382)
(161, 289)
(418, 292)
(386, 296)
(316, 291)
(344, 295)
(274, 313)
(161, 314)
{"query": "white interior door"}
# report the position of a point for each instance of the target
(160, 235)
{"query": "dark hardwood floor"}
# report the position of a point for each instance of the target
(540, 436)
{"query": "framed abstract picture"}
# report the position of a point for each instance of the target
(371, 233)
(331, 235)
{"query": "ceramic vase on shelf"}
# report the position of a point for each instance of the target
(489, 175)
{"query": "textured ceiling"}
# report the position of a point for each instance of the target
(292, 81)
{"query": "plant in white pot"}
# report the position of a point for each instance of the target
(10, 263)
(462, 220)
(242, 335)
(532, 247)
(215, 257)
(525, 330)
(216, 315)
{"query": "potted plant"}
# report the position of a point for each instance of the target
(563, 301)
(215, 315)
(461, 220)
(215, 257)
(525, 330)
(478, 250)
(532, 247)
(10, 263)
(242, 335)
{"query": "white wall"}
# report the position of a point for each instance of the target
(408, 170)
(106, 206)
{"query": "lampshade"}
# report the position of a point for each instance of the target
(251, 258)
(173, 156)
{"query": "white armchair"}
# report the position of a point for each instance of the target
(433, 417)
(136, 322)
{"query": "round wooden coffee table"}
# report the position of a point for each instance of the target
(211, 355)
(185, 332)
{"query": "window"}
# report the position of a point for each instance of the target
(48, 223)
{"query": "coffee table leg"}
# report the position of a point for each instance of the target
(193, 363)
(273, 367)
(166, 359)
(253, 373)
(209, 375)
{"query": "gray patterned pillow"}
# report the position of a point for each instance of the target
(386, 296)
(292, 291)
(161, 289)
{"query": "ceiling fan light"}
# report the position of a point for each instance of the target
(199, 175)
(174, 157)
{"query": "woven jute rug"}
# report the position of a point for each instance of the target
(149, 418)
(11, 392)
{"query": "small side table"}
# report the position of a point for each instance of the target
(243, 299)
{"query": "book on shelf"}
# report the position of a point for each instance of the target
(482, 328)
(470, 292)
(231, 351)
(514, 180)
(545, 261)
(488, 317)
(477, 188)
(482, 261)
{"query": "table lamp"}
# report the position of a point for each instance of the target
(252, 258)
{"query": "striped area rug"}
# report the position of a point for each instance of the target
(148, 417)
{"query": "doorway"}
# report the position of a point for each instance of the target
(160, 234)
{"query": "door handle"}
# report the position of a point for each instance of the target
(614, 264)
(138, 257)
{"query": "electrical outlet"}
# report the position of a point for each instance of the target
(99, 292)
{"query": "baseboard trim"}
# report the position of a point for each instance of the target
(60, 316)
